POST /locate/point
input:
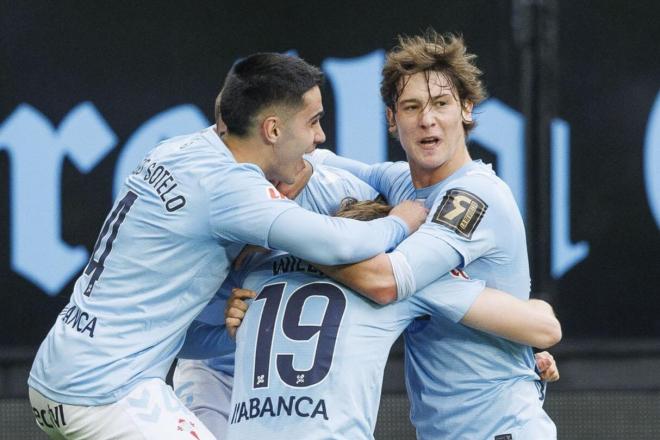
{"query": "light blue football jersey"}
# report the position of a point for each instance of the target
(323, 194)
(164, 250)
(464, 383)
(311, 353)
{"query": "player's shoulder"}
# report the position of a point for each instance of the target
(184, 143)
(480, 176)
(203, 161)
(476, 182)
(395, 181)
(399, 166)
(341, 183)
(208, 160)
(328, 174)
(194, 154)
(395, 170)
(462, 202)
(332, 173)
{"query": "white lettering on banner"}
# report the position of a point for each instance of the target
(563, 254)
(36, 155)
(361, 131)
(37, 150)
(652, 160)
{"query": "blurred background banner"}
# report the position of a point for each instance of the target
(572, 123)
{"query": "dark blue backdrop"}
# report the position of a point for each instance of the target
(87, 86)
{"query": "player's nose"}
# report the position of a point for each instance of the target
(319, 136)
(427, 117)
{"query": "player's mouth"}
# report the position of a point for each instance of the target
(429, 142)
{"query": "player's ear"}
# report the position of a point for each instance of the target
(467, 110)
(391, 122)
(271, 129)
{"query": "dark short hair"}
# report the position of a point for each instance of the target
(262, 80)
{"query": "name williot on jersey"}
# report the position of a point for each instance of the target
(289, 406)
(289, 263)
(162, 181)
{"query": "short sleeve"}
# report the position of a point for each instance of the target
(243, 204)
(464, 216)
(450, 296)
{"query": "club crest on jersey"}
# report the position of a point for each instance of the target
(274, 194)
(461, 211)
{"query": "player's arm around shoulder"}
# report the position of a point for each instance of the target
(375, 278)
(242, 204)
(532, 322)
(460, 228)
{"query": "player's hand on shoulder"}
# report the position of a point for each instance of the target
(236, 308)
(411, 212)
(547, 366)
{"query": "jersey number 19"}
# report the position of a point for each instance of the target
(292, 329)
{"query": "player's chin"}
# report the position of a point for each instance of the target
(431, 161)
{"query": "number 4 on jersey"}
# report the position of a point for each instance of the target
(111, 226)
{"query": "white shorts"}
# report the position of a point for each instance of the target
(149, 411)
(206, 392)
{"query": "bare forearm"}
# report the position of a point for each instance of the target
(527, 322)
(546, 322)
(372, 278)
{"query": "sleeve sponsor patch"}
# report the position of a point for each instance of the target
(461, 211)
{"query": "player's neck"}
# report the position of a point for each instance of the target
(424, 177)
(248, 150)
